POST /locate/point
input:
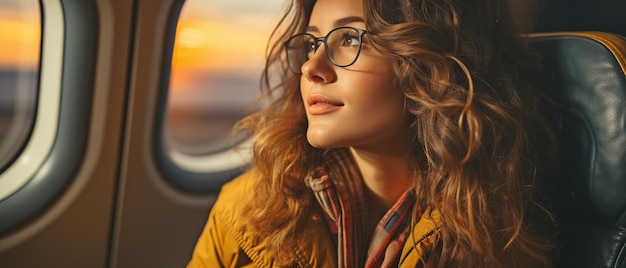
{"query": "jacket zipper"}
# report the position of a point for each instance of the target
(426, 235)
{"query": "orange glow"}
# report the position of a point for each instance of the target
(20, 42)
(203, 44)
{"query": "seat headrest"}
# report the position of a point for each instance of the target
(587, 78)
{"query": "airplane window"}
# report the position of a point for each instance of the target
(217, 61)
(20, 22)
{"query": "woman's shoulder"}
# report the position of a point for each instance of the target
(228, 213)
(236, 192)
(243, 182)
(225, 233)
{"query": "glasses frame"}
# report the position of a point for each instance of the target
(323, 39)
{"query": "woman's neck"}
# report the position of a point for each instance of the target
(386, 177)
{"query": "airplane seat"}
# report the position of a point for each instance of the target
(586, 77)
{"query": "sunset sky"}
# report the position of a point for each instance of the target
(218, 51)
(212, 34)
(217, 34)
(19, 33)
(217, 59)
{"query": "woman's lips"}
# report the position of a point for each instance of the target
(321, 105)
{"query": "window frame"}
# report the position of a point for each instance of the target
(55, 150)
(202, 174)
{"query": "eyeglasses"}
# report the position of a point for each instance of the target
(343, 46)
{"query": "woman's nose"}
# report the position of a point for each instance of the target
(319, 69)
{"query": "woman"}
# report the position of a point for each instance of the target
(401, 134)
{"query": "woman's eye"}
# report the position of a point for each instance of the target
(350, 40)
(310, 46)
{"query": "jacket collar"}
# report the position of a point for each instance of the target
(316, 249)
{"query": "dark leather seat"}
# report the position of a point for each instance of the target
(587, 78)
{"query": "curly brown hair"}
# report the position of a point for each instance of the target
(482, 146)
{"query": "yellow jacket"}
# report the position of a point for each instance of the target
(226, 241)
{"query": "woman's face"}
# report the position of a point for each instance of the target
(354, 106)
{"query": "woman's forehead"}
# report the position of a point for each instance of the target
(329, 14)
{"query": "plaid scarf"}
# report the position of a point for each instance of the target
(338, 187)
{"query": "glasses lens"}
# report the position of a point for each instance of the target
(298, 49)
(342, 48)
(344, 45)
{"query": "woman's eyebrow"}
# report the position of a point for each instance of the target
(338, 23)
(312, 29)
(348, 20)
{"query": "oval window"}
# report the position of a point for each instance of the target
(20, 22)
(217, 60)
